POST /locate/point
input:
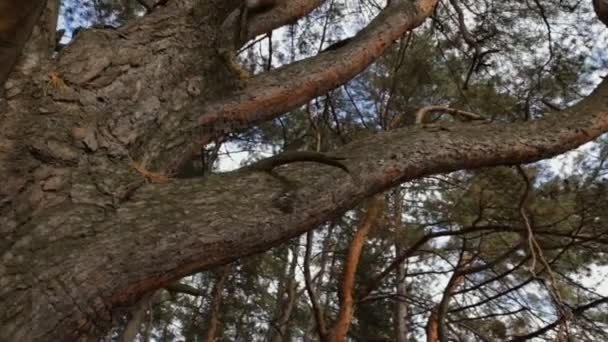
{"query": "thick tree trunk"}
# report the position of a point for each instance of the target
(83, 232)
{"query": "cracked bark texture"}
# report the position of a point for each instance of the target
(81, 232)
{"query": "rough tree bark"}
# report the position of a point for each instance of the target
(81, 231)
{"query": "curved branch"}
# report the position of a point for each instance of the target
(375, 210)
(173, 229)
(436, 326)
(317, 310)
(286, 12)
(376, 281)
(576, 312)
(270, 94)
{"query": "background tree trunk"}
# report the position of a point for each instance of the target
(216, 302)
(401, 308)
(286, 300)
(138, 313)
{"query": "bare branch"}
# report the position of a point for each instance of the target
(575, 312)
(317, 310)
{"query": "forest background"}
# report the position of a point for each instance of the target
(507, 253)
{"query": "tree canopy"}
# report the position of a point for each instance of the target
(382, 171)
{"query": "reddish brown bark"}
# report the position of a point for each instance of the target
(132, 102)
(432, 326)
(374, 212)
(435, 327)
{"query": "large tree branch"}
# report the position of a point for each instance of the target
(170, 230)
(284, 13)
(153, 96)
(276, 92)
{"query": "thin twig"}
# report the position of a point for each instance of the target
(536, 253)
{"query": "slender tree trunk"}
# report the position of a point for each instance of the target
(216, 303)
(401, 307)
(273, 325)
(338, 331)
(432, 325)
(319, 278)
(436, 328)
(286, 299)
(149, 325)
(138, 314)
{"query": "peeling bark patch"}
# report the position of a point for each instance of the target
(88, 137)
(53, 151)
